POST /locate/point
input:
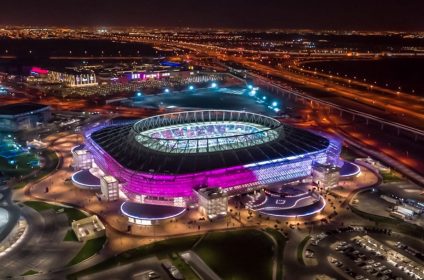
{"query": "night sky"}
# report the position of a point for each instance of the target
(311, 14)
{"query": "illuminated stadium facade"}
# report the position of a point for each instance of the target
(163, 159)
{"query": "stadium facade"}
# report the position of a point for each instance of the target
(165, 158)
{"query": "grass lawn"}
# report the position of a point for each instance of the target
(161, 249)
(20, 168)
(72, 213)
(300, 249)
(391, 177)
(243, 254)
(70, 236)
(29, 272)
(51, 161)
(90, 248)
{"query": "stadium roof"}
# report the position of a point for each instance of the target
(120, 143)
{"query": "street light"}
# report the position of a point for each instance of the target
(214, 85)
(167, 90)
(274, 104)
(191, 87)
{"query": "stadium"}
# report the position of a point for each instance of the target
(164, 159)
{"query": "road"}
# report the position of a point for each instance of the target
(199, 266)
(402, 109)
(41, 244)
(134, 270)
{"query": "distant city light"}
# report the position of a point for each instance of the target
(191, 87)
(264, 98)
(138, 94)
(250, 86)
(167, 90)
(274, 104)
(214, 85)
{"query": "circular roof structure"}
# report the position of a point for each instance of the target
(86, 180)
(196, 141)
(151, 212)
(349, 169)
(205, 131)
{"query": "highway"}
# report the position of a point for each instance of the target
(408, 110)
(339, 108)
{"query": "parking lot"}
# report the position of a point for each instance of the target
(354, 254)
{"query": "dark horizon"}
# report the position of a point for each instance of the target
(372, 15)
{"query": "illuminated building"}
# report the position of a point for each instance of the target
(82, 158)
(20, 116)
(110, 187)
(213, 202)
(69, 77)
(325, 175)
(88, 228)
(164, 160)
(73, 78)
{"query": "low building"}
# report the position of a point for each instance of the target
(404, 211)
(20, 116)
(88, 228)
(213, 202)
(326, 175)
(389, 199)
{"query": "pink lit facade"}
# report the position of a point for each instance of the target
(237, 179)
